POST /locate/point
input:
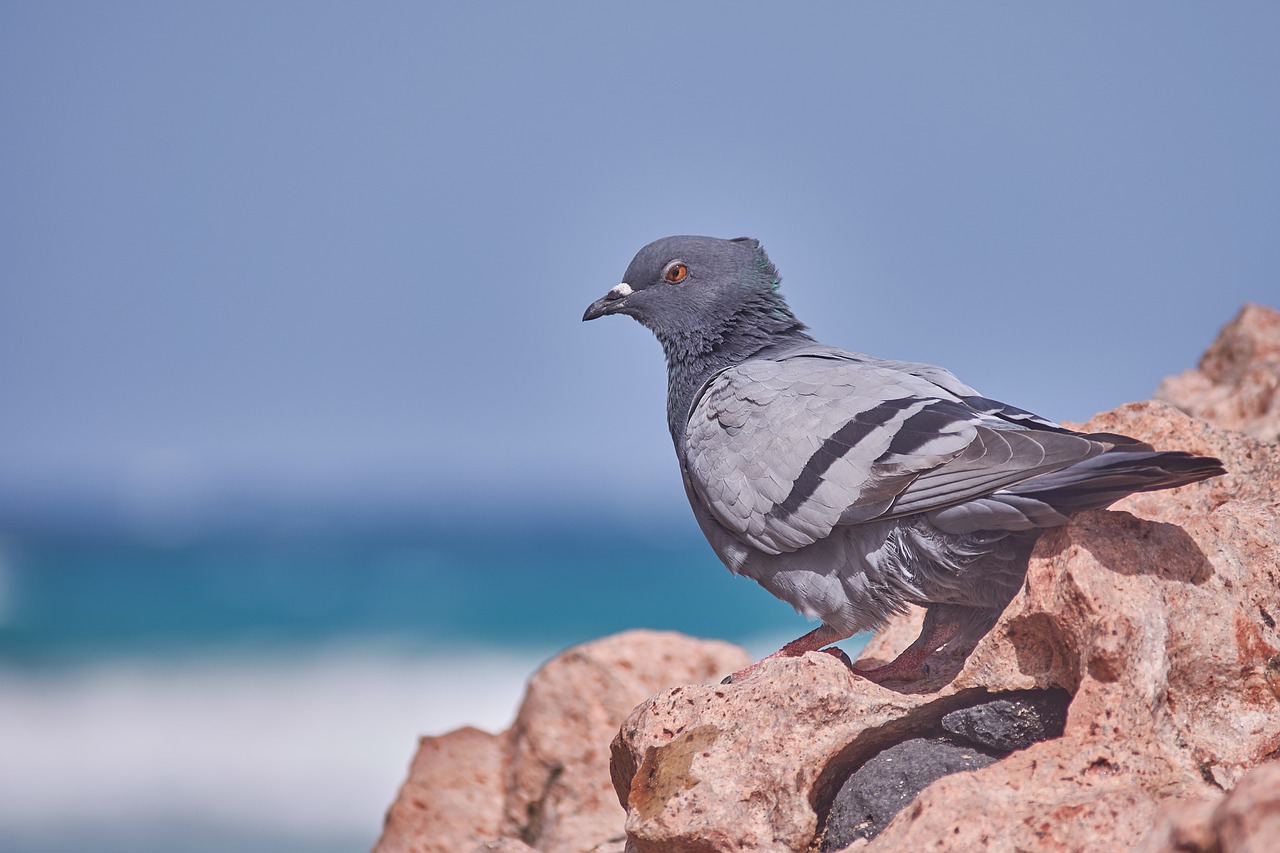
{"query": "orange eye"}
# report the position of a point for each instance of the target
(675, 272)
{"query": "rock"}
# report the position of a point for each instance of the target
(1157, 621)
(452, 799)
(504, 845)
(1238, 383)
(1182, 826)
(1245, 820)
(616, 844)
(731, 767)
(879, 789)
(1010, 723)
(559, 793)
(1248, 819)
(544, 784)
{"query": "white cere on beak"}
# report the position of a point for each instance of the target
(620, 290)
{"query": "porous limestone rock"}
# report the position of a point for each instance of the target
(1237, 385)
(558, 795)
(1244, 820)
(544, 784)
(452, 799)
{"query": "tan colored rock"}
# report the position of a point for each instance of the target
(1248, 819)
(1183, 826)
(504, 845)
(1165, 636)
(559, 795)
(616, 844)
(544, 784)
(731, 767)
(452, 799)
(1245, 820)
(1237, 385)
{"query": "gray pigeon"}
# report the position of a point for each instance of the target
(851, 486)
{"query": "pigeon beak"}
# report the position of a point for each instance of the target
(610, 303)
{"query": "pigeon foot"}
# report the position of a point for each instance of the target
(941, 626)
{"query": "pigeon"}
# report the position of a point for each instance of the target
(852, 486)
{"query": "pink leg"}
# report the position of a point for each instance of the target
(937, 631)
(814, 641)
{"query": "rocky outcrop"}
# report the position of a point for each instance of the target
(452, 799)
(1157, 622)
(1128, 698)
(545, 782)
(1237, 385)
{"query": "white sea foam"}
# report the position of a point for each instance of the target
(308, 748)
(299, 747)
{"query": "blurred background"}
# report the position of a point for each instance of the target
(304, 451)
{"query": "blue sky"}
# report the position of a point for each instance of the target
(339, 252)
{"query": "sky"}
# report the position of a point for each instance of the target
(338, 253)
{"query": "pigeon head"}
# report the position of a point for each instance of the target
(703, 297)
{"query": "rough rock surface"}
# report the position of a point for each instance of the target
(452, 799)
(544, 784)
(1237, 385)
(504, 845)
(1246, 820)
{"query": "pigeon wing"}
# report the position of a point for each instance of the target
(944, 382)
(782, 451)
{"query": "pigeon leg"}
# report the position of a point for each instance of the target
(942, 623)
(814, 641)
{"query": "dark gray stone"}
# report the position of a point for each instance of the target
(879, 789)
(1015, 722)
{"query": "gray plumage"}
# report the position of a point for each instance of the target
(852, 486)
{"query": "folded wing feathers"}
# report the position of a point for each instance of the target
(996, 459)
(782, 451)
(778, 458)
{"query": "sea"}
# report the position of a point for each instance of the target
(265, 691)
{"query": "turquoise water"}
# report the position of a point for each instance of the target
(75, 600)
(265, 692)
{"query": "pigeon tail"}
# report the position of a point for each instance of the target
(1101, 481)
